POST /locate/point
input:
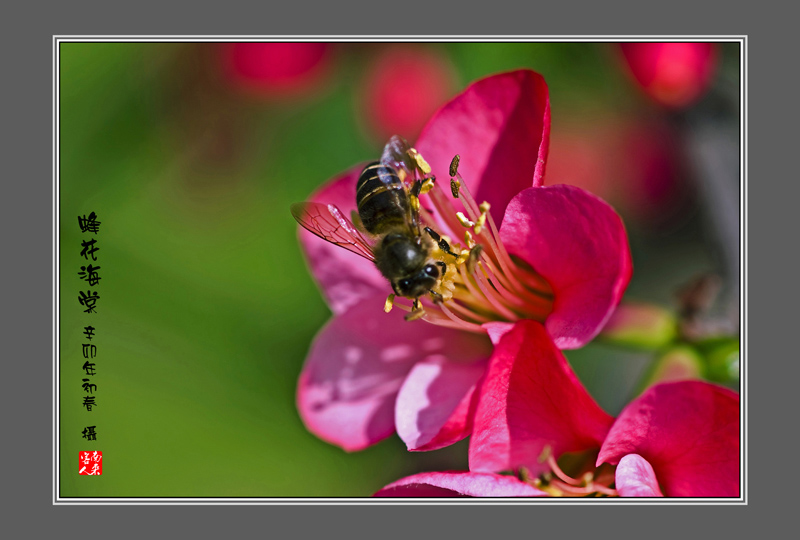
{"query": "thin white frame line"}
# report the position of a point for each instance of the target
(427, 39)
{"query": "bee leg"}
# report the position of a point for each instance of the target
(413, 195)
(474, 255)
(416, 188)
(417, 311)
(443, 245)
(422, 186)
(437, 298)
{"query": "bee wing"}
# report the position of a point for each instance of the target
(329, 223)
(395, 153)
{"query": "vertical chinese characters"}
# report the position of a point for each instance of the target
(90, 462)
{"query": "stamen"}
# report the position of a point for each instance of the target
(415, 314)
(465, 325)
(492, 235)
(605, 490)
(464, 221)
(533, 306)
(455, 185)
(474, 255)
(445, 212)
(422, 165)
(469, 240)
(454, 165)
(565, 485)
(469, 284)
(484, 208)
(487, 291)
(481, 282)
(561, 474)
(466, 314)
(575, 491)
(466, 198)
(401, 305)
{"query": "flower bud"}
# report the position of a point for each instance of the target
(640, 325)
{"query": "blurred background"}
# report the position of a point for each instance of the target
(190, 155)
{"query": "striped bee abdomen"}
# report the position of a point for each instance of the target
(381, 199)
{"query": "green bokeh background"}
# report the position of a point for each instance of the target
(206, 307)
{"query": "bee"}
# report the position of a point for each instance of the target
(391, 234)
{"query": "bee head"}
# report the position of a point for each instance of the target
(418, 284)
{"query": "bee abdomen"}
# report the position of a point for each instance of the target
(381, 199)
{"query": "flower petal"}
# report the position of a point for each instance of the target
(578, 244)
(344, 277)
(437, 401)
(635, 478)
(357, 363)
(688, 431)
(531, 399)
(497, 329)
(500, 126)
(459, 484)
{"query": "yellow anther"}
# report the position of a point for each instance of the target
(464, 220)
(454, 187)
(387, 307)
(480, 223)
(468, 239)
(463, 256)
(421, 163)
(454, 165)
(427, 185)
(484, 207)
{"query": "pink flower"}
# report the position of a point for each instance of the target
(276, 70)
(680, 439)
(403, 87)
(560, 257)
(673, 74)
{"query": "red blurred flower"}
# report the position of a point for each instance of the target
(679, 439)
(276, 69)
(560, 257)
(673, 74)
(633, 163)
(403, 87)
